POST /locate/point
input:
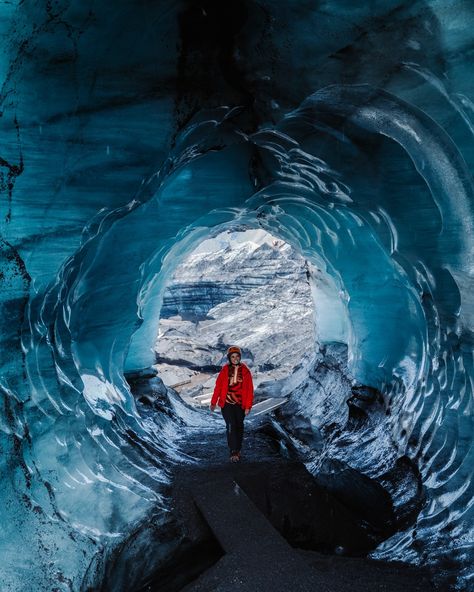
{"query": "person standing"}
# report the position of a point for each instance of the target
(234, 394)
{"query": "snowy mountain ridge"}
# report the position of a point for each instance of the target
(256, 296)
(205, 280)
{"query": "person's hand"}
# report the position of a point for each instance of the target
(247, 411)
(212, 407)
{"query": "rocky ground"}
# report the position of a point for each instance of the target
(283, 531)
(267, 522)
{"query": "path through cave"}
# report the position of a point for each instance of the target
(267, 523)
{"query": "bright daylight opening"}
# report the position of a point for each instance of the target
(240, 288)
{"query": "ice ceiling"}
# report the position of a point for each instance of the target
(131, 132)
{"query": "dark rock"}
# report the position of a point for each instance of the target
(354, 573)
(404, 484)
(340, 512)
(157, 555)
(152, 392)
(366, 394)
(342, 508)
(142, 374)
(365, 497)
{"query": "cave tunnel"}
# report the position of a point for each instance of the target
(133, 132)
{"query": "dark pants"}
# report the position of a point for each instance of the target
(234, 425)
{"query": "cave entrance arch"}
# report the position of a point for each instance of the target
(243, 287)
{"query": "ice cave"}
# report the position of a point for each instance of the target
(134, 131)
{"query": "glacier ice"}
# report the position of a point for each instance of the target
(129, 138)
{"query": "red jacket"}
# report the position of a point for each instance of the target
(222, 385)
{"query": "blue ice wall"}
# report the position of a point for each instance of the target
(133, 131)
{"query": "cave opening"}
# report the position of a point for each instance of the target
(242, 287)
(333, 426)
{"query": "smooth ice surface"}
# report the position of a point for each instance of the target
(132, 132)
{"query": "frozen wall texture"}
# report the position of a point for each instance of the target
(133, 130)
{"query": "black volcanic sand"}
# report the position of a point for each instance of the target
(266, 524)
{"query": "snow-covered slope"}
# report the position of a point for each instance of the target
(256, 296)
